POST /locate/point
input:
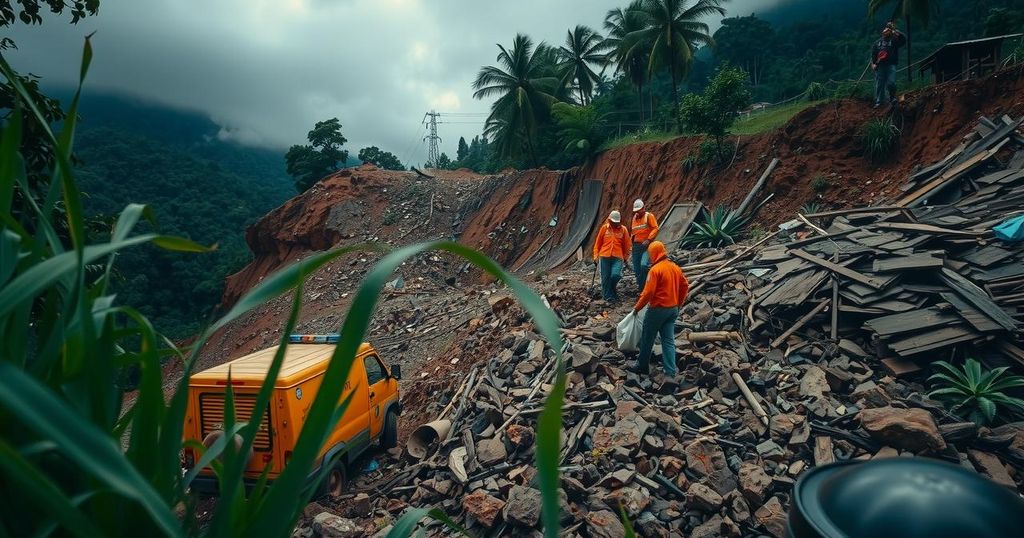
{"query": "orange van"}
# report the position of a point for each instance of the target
(372, 415)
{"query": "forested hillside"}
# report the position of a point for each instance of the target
(610, 87)
(199, 187)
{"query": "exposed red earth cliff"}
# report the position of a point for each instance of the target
(507, 215)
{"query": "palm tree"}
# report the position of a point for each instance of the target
(583, 47)
(672, 34)
(908, 9)
(628, 56)
(523, 96)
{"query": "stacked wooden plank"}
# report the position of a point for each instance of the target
(907, 279)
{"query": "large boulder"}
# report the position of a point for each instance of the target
(707, 460)
(703, 498)
(904, 429)
(483, 507)
(523, 506)
(754, 483)
(772, 516)
(491, 451)
(329, 525)
(626, 433)
(605, 524)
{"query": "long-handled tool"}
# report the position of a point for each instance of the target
(590, 290)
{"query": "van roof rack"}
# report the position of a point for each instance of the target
(313, 338)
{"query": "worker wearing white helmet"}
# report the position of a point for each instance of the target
(644, 229)
(610, 248)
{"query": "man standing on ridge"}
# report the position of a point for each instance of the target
(610, 248)
(644, 230)
(885, 56)
(664, 292)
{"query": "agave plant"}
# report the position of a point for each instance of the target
(722, 226)
(810, 208)
(977, 394)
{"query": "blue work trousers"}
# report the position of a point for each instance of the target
(659, 321)
(611, 273)
(641, 264)
(885, 83)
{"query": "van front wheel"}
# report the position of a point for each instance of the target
(389, 437)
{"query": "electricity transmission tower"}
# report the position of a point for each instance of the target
(431, 123)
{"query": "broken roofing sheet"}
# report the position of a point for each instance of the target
(587, 207)
(918, 281)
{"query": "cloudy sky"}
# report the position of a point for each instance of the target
(267, 70)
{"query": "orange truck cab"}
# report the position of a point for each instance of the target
(372, 415)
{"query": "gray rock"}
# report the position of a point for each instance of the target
(648, 525)
(770, 450)
(491, 451)
(604, 524)
(329, 525)
(711, 528)
(772, 516)
(736, 506)
(626, 433)
(703, 498)
(754, 483)
(483, 507)
(814, 383)
(523, 506)
(631, 499)
(872, 394)
(707, 460)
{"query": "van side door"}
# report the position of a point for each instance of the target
(376, 380)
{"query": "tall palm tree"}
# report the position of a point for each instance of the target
(583, 47)
(673, 32)
(523, 99)
(920, 10)
(554, 72)
(628, 56)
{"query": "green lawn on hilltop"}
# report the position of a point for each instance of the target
(772, 118)
(639, 138)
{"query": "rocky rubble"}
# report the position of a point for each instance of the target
(678, 457)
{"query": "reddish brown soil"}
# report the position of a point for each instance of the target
(823, 139)
(507, 215)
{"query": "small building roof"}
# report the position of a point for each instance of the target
(958, 44)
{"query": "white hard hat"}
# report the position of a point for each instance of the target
(638, 204)
(615, 216)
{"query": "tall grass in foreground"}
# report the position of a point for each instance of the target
(67, 465)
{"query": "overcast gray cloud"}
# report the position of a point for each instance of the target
(267, 70)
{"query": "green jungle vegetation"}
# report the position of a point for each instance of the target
(627, 85)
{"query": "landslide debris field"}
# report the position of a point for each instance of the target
(809, 344)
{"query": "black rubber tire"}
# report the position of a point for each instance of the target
(336, 481)
(389, 435)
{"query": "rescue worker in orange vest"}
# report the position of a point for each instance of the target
(610, 250)
(664, 292)
(644, 230)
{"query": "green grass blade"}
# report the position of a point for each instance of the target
(43, 275)
(407, 523)
(209, 454)
(626, 523)
(10, 159)
(354, 328)
(180, 244)
(44, 494)
(549, 427)
(95, 453)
